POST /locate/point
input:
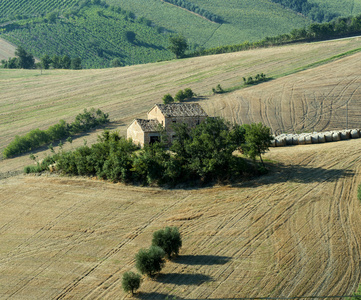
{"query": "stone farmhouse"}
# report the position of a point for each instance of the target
(146, 131)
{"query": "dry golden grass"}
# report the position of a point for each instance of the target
(295, 232)
(313, 99)
(6, 49)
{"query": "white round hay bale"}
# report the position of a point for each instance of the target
(289, 139)
(273, 143)
(355, 133)
(295, 139)
(336, 136)
(314, 138)
(328, 136)
(321, 137)
(280, 142)
(301, 140)
(308, 139)
(345, 134)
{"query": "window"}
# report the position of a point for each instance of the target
(154, 139)
(174, 121)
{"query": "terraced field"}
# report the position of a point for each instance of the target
(294, 232)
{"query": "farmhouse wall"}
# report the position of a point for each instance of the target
(136, 133)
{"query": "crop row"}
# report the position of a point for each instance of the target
(96, 35)
(31, 7)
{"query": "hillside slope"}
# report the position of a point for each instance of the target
(317, 102)
(6, 49)
(295, 232)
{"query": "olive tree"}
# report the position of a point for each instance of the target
(130, 282)
(169, 239)
(150, 261)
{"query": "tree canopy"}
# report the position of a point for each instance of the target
(178, 45)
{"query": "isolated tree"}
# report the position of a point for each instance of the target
(150, 261)
(56, 62)
(66, 62)
(180, 96)
(178, 45)
(167, 99)
(188, 93)
(45, 61)
(25, 60)
(131, 282)
(76, 63)
(169, 239)
(257, 140)
(116, 63)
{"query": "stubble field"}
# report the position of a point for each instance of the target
(294, 232)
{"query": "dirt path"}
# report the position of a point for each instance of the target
(295, 232)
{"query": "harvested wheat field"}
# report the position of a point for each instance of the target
(294, 232)
(313, 99)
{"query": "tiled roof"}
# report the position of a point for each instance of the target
(148, 125)
(182, 110)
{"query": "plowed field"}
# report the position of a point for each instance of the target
(295, 232)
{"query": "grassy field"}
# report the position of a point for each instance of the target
(294, 232)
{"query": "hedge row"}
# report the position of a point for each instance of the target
(38, 138)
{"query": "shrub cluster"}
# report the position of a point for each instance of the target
(61, 62)
(151, 261)
(180, 96)
(37, 138)
(218, 89)
(257, 79)
(202, 154)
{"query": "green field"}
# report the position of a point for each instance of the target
(97, 35)
(244, 20)
(343, 7)
(138, 31)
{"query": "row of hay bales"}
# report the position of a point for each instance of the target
(315, 137)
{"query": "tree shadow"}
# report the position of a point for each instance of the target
(279, 173)
(183, 279)
(204, 260)
(153, 295)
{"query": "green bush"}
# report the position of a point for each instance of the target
(37, 138)
(188, 93)
(169, 239)
(167, 99)
(130, 282)
(150, 261)
(180, 96)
